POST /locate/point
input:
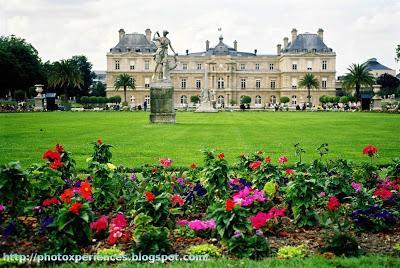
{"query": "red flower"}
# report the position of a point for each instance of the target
(383, 193)
(370, 150)
(282, 159)
(52, 156)
(193, 166)
(75, 208)
(333, 203)
(100, 225)
(255, 165)
(268, 159)
(59, 148)
(153, 169)
(85, 189)
(229, 205)
(177, 199)
(259, 220)
(67, 195)
(289, 171)
(99, 141)
(56, 164)
(119, 221)
(50, 201)
(150, 197)
(165, 162)
(221, 156)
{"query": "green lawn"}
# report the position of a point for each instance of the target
(25, 136)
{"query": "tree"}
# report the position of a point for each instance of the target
(124, 81)
(195, 99)
(85, 68)
(389, 84)
(309, 81)
(65, 74)
(20, 65)
(245, 100)
(284, 99)
(398, 53)
(358, 77)
(98, 89)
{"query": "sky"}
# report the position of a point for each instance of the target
(355, 29)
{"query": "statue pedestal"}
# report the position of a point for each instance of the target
(206, 107)
(377, 103)
(39, 103)
(162, 108)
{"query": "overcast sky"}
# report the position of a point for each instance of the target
(355, 29)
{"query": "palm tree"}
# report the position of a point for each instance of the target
(124, 80)
(358, 77)
(309, 81)
(65, 74)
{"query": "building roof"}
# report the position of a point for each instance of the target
(398, 76)
(134, 42)
(222, 49)
(307, 42)
(373, 64)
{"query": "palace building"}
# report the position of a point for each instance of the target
(227, 72)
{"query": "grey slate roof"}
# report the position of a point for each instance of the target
(373, 64)
(307, 42)
(134, 42)
(221, 49)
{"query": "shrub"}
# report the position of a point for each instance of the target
(284, 99)
(288, 252)
(344, 99)
(342, 244)
(245, 100)
(113, 251)
(204, 249)
(323, 99)
(253, 247)
(19, 95)
(194, 99)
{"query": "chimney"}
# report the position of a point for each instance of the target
(255, 51)
(121, 34)
(187, 52)
(321, 34)
(148, 34)
(207, 45)
(278, 49)
(294, 34)
(285, 42)
(235, 45)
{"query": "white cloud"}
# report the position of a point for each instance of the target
(356, 30)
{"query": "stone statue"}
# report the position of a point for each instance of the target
(205, 95)
(161, 56)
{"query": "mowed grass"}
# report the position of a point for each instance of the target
(25, 136)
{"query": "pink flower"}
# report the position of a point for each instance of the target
(247, 196)
(356, 186)
(119, 221)
(166, 162)
(289, 171)
(182, 222)
(259, 220)
(322, 194)
(282, 159)
(2, 208)
(198, 225)
(100, 225)
(255, 165)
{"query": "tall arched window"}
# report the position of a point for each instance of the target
(294, 100)
(221, 100)
(258, 100)
(184, 99)
(273, 99)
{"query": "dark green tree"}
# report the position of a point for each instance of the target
(20, 65)
(245, 100)
(390, 84)
(124, 81)
(358, 77)
(85, 68)
(309, 81)
(65, 74)
(195, 99)
(98, 89)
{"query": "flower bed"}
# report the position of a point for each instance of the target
(256, 208)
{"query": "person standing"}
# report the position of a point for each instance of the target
(145, 105)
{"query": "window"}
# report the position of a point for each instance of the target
(220, 100)
(258, 83)
(117, 65)
(184, 99)
(323, 82)
(258, 100)
(294, 65)
(220, 82)
(324, 65)
(184, 66)
(273, 83)
(273, 99)
(309, 65)
(146, 65)
(257, 66)
(132, 65)
(147, 99)
(271, 66)
(242, 66)
(198, 66)
(294, 100)
(183, 83)
(242, 83)
(198, 83)
(146, 82)
(294, 83)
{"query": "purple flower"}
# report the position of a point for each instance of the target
(181, 181)
(322, 194)
(259, 233)
(237, 234)
(133, 177)
(356, 186)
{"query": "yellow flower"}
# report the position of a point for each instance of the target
(111, 166)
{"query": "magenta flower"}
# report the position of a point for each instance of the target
(322, 194)
(198, 225)
(356, 186)
(2, 208)
(166, 162)
(182, 222)
(247, 196)
(282, 159)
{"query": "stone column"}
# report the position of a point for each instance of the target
(376, 99)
